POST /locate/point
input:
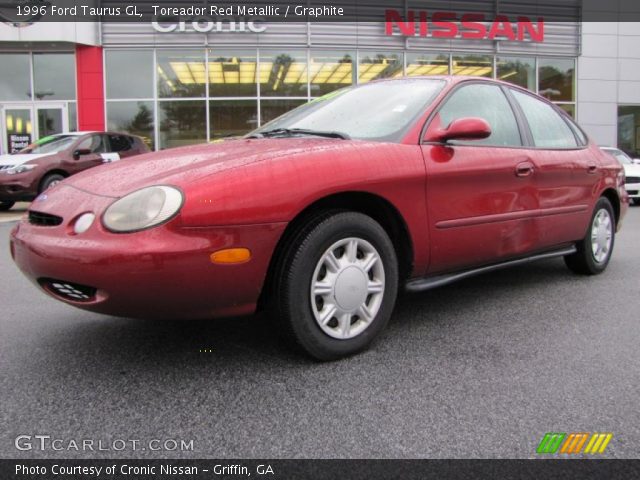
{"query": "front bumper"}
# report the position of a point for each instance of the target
(20, 187)
(633, 190)
(164, 272)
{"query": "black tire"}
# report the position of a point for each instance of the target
(5, 206)
(293, 310)
(636, 201)
(49, 180)
(584, 262)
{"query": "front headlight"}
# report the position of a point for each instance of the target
(19, 169)
(143, 209)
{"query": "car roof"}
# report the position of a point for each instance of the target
(456, 79)
(87, 132)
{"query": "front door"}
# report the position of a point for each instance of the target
(479, 193)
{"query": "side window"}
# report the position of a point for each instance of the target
(120, 143)
(95, 143)
(487, 102)
(582, 138)
(548, 128)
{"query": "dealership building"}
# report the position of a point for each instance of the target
(179, 84)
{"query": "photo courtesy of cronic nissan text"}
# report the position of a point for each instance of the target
(319, 239)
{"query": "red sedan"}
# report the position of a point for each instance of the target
(324, 213)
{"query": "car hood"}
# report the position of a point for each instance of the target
(180, 166)
(20, 158)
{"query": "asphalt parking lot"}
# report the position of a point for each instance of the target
(483, 368)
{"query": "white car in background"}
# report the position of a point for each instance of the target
(631, 172)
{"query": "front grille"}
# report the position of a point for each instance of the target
(69, 291)
(632, 192)
(44, 219)
(6, 167)
(632, 180)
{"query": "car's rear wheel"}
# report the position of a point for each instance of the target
(4, 206)
(50, 180)
(594, 250)
(338, 285)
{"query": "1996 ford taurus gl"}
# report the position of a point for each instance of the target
(324, 213)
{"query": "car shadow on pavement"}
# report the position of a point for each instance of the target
(253, 340)
(469, 294)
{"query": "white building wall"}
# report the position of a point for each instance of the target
(608, 76)
(86, 33)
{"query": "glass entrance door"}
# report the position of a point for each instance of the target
(17, 123)
(24, 124)
(51, 119)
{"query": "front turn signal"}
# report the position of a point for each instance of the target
(231, 256)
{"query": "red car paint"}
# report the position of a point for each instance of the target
(462, 207)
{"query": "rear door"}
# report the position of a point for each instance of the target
(567, 171)
(480, 194)
(121, 146)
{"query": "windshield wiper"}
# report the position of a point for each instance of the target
(299, 131)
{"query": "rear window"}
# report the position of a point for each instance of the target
(120, 143)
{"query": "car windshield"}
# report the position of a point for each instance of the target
(381, 111)
(622, 157)
(50, 144)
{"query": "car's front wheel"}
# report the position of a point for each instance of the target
(50, 180)
(4, 206)
(594, 250)
(338, 285)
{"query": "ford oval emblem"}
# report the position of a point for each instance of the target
(41, 198)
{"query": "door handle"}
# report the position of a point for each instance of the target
(524, 169)
(592, 168)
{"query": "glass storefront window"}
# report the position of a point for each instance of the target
(473, 65)
(229, 118)
(570, 108)
(54, 76)
(232, 74)
(73, 116)
(517, 70)
(246, 84)
(132, 117)
(419, 64)
(15, 79)
(283, 74)
(182, 123)
(557, 79)
(181, 73)
(629, 129)
(374, 65)
(271, 109)
(129, 73)
(330, 70)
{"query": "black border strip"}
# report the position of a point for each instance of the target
(340, 469)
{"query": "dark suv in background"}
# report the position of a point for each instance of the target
(26, 174)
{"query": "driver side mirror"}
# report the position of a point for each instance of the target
(469, 128)
(81, 151)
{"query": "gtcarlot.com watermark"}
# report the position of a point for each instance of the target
(48, 443)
